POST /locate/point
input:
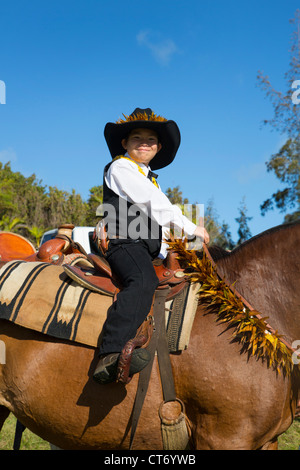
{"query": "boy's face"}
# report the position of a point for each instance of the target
(142, 145)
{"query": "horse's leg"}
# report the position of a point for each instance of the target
(4, 412)
(272, 445)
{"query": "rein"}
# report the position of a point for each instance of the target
(245, 302)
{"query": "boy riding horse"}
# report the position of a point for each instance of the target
(137, 213)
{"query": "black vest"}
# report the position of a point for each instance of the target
(125, 220)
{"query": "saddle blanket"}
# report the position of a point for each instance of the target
(41, 297)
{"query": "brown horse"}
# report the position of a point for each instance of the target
(232, 401)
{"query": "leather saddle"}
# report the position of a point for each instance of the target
(100, 278)
(94, 272)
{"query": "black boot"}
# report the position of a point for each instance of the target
(106, 369)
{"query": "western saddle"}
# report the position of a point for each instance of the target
(93, 271)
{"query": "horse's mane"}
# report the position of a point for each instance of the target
(218, 253)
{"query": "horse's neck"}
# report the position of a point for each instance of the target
(266, 273)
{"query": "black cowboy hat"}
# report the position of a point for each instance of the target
(167, 131)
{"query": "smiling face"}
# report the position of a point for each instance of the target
(142, 145)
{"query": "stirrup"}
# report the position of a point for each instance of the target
(142, 338)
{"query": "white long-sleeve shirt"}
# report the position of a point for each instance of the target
(127, 181)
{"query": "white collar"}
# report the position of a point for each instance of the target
(142, 165)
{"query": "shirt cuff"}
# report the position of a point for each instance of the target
(189, 228)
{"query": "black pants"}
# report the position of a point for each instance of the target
(132, 263)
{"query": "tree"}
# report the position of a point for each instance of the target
(175, 196)
(36, 233)
(244, 232)
(22, 198)
(6, 189)
(8, 225)
(94, 201)
(63, 207)
(38, 207)
(223, 239)
(218, 234)
(286, 163)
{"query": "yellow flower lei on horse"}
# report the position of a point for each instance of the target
(251, 330)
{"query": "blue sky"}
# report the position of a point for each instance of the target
(71, 66)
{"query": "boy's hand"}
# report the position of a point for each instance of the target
(202, 233)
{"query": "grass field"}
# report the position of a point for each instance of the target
(287, 441)
(29, 440)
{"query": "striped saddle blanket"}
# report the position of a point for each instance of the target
(41, 297)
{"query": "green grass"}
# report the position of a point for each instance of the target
(29, 440)
(290, 440)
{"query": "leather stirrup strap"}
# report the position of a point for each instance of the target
(144, 375)
(165, 368)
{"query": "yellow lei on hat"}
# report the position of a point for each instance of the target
(141, 117)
